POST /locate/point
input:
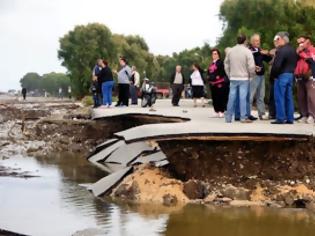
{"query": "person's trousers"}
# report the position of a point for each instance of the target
(237, 105)
(284, 97)
(177, 90)
(257, 92)
(107, 91)
(272, 105)
(241, 88)
(219, 97)
(133, 94)
(306, 96)
(123, 94)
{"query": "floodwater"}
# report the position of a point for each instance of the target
(56, 203)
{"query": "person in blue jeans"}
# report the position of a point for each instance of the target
(283, 70)
(105, 76)
(240, 67)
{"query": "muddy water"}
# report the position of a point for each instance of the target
(56, 203)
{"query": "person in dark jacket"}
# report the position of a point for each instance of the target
(96, 85)
(177, 82)
(24, 93)
(257, 84)
(283, 71)
(218, 83)
(105, 77)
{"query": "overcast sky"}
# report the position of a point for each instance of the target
(30, 29)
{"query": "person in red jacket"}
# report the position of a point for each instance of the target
(304, 79)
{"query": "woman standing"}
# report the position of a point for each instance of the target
(124, 76)
(105, 76)
(218, 83)
(197, 83)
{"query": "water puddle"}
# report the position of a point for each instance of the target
(56, 203)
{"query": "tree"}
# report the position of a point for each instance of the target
(79, 50)
(31, 81)
(267, 18)
(51, 83)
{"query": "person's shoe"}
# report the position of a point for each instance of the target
(263, 117)
(117, 105)
(237, 119)
(299, 117)
(175, 105)
(289, 122)
(302, 120)
(247, 121)
(277, 122)
(310, 120)
(252, 118)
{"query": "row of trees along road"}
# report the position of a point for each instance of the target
(80, 47)
(49, 83)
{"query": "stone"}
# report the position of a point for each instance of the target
(169, 200)
(245, 203)
(128, 192)
(235, 193)
(194, 189)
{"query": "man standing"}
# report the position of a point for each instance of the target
(177, 84)
(134, 85)
(24, 93)
(96, 85)
(240, 67)
(283, 71)
(257, 84)
(305, 85)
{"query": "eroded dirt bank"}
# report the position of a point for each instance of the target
(238, 173)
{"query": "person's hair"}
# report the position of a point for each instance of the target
(123, 59)
(305, 37)
(98, 60)
(241, 39)
(197, 66)
(105, 62)
(216, 50)
(254, 36)
(284, 35)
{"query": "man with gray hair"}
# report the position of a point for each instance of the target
(177, 82)
(257, 84)
(283, 71)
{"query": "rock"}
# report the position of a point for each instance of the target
(194, 189)
(128, 192)
(310, 206)
(169, 200)
(210, 198)
(236, 193)
(243, 203)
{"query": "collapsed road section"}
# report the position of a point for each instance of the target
(207, 161)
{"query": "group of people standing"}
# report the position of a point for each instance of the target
(103, 84)
(239, 80)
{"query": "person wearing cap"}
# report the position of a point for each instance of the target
(240, 68)
(304, 81)
(257, 84)
(283, 71)
(124, 76)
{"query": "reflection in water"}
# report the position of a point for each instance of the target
(56, 204)
(205, 220)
